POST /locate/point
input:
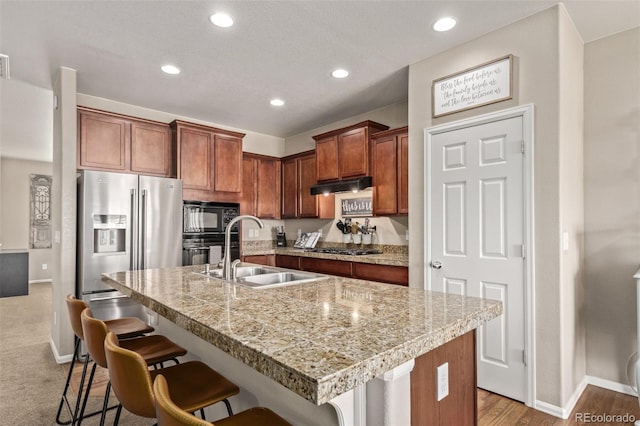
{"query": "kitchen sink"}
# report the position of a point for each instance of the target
(257, 276)
(241, 271)
(279, 279)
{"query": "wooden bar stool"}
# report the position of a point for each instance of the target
(123, 327)
(169, 414)
(195, 384)
(154, 349)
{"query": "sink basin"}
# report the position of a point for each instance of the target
(279, 279)
(256, 276)
(241, 271)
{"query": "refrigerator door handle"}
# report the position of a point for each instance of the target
(133, 263)
(143, 231)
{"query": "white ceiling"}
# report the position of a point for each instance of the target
(284, 49)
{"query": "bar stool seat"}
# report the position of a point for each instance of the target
(198, 385)
(125, 327)
(154, 349)
(170, 414)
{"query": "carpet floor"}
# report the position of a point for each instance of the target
(31, 382)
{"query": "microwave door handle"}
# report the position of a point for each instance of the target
(133, 231)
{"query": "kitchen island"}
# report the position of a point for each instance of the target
(327, 341)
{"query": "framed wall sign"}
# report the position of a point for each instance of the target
(474, 87)
(357, 207)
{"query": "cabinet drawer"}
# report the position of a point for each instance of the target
(381, 273)
(262, 259)
(290, 262)
(324, 266)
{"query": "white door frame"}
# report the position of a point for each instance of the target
(527, 114)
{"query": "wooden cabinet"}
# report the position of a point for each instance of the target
(382, 273)
(289, 262)
(261, 259)
(363, 271)
(118, 143)
(460, 407)
(298, 175)
(261, 186)
(326, 266)
(390, 155)
(345, 153)
(209, 162)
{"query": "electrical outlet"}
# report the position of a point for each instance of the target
(256, 233)
(44, 266)
(443, 381)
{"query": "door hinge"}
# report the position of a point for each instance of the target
(522, 146)
(523, 250)
(524, 357)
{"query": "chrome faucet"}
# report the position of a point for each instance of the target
(228, 273)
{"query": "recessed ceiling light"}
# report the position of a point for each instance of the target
(340, 73)
(277, 102)
(170, 69)
(221, 20)
(444, 24)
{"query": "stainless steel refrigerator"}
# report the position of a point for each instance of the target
(125, 222)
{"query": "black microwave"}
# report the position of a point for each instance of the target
(202, 217)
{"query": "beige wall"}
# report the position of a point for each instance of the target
(14, 219)
(612, 201)
(572, 291)
(535, 44)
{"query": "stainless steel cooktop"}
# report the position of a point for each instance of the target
(345, 251)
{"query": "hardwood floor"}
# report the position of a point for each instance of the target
(593, 405)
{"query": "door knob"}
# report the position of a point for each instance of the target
(436, 264)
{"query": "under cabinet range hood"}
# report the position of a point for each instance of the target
(348, 185)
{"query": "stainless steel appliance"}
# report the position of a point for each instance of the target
(203, 227)
(125, 222)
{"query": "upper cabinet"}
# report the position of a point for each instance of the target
(261, 186)
(209, 161)
(345, 153)
(114, 142)
(298, 175)
(390, 153)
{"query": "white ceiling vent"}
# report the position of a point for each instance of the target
(4, 67)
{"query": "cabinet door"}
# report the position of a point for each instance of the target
(194, 155)
(353, 153)
(227, 164)
(290, 187)
(268, 189)
(307, 178)
(403, 174)
(248, 196)
(325, 266)
(385, 181)
(289, 262)
(262, 259)
(327, 159)
(381, 273)
(104, 142)
(150, 149)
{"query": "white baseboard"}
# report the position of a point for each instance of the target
(60, 359)
(565, 412)
(614, 386)
(40, 281)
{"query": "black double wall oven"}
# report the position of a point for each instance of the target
(204, 225)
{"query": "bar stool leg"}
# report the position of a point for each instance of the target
(63, 399)
(86, 394)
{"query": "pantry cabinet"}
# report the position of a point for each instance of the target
(261, 186)
(209, 161)
(119, 143)
(345, 153)
(298, 175)
(390, 154)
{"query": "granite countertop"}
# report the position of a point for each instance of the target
(318, 339)
(384, 258)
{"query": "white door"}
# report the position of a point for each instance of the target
(477, 235)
